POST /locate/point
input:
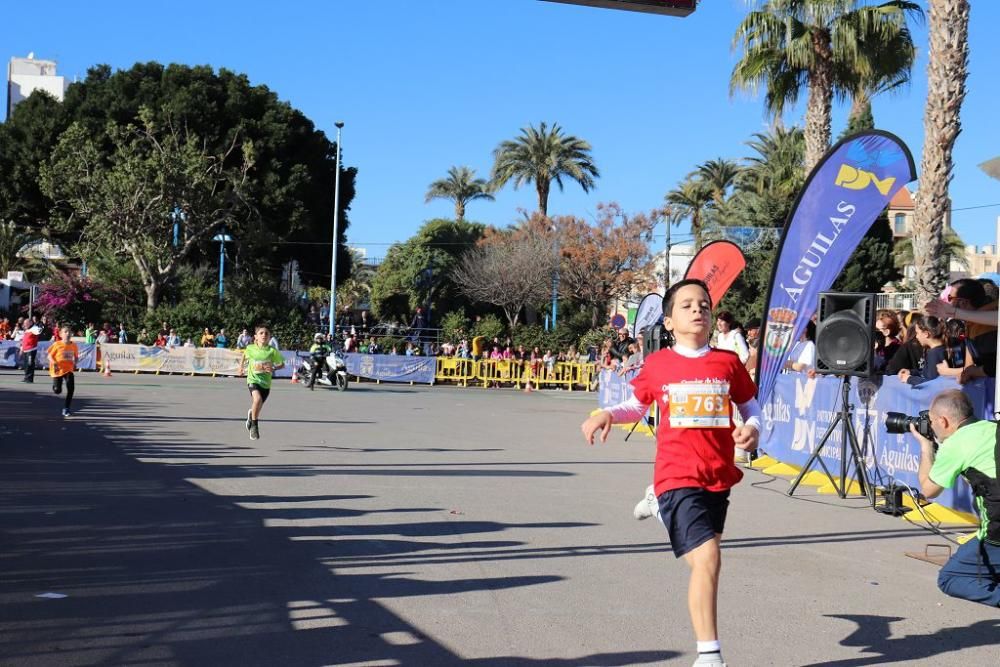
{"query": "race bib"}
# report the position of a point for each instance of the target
(66, 355)
(699, 405)
(263, 366)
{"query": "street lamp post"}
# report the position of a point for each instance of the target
(336, 213)
(222, 239)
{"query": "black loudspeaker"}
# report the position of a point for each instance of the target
(845, 329)
(653, 339)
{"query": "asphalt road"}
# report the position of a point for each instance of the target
(398, 525)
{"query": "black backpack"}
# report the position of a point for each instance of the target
(988, 489)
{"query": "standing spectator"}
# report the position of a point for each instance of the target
(753, 340)
(729, 337)
(273, 342)
(46, 334)
(29, 350)
(417, 326)
(189, 343)
(207, 338)
(4, 329)
(173, 340)
(930, 333)
(244, 339)
(619, 349)
(374, 347)
(220, 339)
(887, 341)
(161, 340)
(143, 337)
(102, 337)
(122, 335)
(324, 312)
(802, 358)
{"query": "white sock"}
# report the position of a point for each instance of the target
(709, 652)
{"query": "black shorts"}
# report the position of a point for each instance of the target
(264, 391)
(692, 516)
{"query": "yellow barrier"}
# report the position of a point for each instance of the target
(454, 369)
(514, 373)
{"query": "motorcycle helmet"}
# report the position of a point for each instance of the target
(318, 338)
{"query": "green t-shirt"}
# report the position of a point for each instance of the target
(260, 361)
(971, 446)
(90, 335)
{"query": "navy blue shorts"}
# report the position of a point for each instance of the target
(692, 516)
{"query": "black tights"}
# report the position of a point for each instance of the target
(57, 384)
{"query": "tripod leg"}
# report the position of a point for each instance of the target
(862, 473)
(816, 457)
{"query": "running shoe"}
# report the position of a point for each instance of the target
(65, 412)
(254, 432)
(648, 506)
(249, 420)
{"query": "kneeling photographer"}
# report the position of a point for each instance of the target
(968, 447)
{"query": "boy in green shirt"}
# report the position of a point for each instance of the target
(260, 360)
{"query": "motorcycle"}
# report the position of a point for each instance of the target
(333, 373)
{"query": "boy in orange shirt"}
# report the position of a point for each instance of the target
(63, 355)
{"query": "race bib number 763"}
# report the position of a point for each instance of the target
(699, 405)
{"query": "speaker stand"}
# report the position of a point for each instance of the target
(848, 444)
(649, 420)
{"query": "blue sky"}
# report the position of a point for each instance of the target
(424, 85)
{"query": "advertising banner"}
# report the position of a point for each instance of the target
(152, 359)
(718, 264)
(392, 368)
(802, 409)
(10, 355)
(614, 388)
(650, 312)
(843, 195)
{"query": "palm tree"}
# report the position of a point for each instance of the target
(719, 175)
(947, 70)
(12, 240)
(541, 156)
(953, 249)
(688, 201)
(461, 186)
(788, 45)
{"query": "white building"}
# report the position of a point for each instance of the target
(26, 75)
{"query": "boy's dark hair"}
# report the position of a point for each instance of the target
(668, 298)
(932, 326)
(971, 290)
(811, 331)
(261, 326)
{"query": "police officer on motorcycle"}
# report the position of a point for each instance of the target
(318, 351)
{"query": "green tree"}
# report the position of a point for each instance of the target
(952, 247)
(788, 45)
(117, 203)
(870, 266)
(769, 181)
(747, 296)
(541, 156)
(400, 283)
(12, 239)
(461, 186)
(291, 186)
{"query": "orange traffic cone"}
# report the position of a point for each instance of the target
(295, 376)
(107, 368)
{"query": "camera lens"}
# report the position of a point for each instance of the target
(897, 422)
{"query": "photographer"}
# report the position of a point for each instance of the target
(968, 448)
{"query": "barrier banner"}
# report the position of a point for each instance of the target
(802, 409)
(614, 388)
(392, 368)
(198, 360)
(718, 264)
(10, 355)
(843, 195)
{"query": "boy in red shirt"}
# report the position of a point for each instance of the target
(695, 387)
(63, 356)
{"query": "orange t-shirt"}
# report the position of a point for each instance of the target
(62, 358)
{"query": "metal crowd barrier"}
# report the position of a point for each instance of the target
(514, 373)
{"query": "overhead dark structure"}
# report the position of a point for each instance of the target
(663, 7)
